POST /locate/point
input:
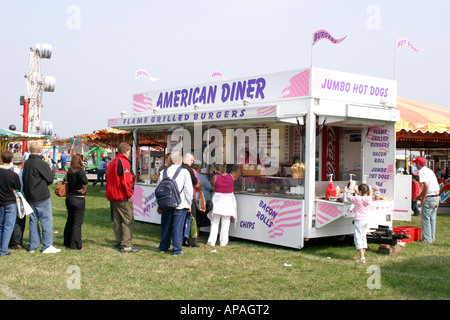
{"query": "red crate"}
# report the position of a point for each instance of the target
(413, 232)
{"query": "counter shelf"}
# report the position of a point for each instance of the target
(284, 187)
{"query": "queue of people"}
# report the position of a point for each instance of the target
(191, 184)
(194, 203)
(36, 176)
(33, 180)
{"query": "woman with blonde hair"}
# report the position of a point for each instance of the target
(224, 204)
(75, 202)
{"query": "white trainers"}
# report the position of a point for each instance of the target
(51, 249)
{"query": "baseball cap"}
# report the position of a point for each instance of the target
(419, 160)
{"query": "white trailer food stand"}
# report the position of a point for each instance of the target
(333, 122)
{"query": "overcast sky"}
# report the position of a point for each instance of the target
(99, 44)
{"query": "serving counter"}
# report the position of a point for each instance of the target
(269, 212)
(334, 218)
(282, 187)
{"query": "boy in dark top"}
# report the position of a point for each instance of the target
(9, 181)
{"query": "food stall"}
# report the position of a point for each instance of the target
(291, 132)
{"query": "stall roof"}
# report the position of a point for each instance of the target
(110, 138)
(417, 116)
(6, 134)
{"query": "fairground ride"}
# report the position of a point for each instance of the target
(36, 84)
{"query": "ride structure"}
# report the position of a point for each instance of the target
(36, 84)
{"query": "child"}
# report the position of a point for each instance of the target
(362, 207)
(415, 191)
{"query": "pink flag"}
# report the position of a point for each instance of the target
(217, 74)
(403, 42)
(142, 73)
(323, 34)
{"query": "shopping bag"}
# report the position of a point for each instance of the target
(193, 229)
(23, 207)
(187, 226)
(200, 199)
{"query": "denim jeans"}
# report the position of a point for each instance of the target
(172, 225)
(415, 208)
(42, 211)
(8, 216)
(100, 177)
(429, 211)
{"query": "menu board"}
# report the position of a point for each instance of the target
(379, 158)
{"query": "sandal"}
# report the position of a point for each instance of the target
(363, 260)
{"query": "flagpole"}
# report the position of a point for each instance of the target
(395, 55)
(134, 83)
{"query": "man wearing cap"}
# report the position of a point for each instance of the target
(430, 196)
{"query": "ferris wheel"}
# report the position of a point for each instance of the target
(36, 84)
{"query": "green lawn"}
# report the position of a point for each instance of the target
(241, 271)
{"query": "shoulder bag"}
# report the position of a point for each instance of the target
(62, 188)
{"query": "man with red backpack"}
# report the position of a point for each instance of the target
(119, 191)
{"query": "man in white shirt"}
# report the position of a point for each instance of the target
(172, 221)
(430, 199)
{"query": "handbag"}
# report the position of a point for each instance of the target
(62, 188)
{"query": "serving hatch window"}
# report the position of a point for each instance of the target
(150, 157)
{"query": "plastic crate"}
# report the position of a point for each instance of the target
(413, 232)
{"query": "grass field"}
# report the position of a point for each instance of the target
(241, 271)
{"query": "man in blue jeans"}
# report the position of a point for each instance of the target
(37, 176)
(101, 169)
(172, 221)
(430, 196)
(9, 181)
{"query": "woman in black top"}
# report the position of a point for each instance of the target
(75, 202)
